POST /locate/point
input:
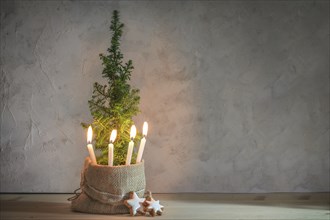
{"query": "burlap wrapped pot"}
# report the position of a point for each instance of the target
(105, 188)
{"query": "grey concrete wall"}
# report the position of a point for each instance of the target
(236, 93)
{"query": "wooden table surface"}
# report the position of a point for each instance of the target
(180, 206)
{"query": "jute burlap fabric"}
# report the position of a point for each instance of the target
(105, 188)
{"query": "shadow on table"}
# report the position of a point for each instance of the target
(36, 207)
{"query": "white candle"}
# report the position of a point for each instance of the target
(110, 147)
(143, 142)
(131, 145)
(90, 146)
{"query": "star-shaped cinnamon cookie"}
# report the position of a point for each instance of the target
(155, 207)
(134, 203)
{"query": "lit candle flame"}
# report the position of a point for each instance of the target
(113, 136)
(89, 134)
(133, 132)
(145, 128)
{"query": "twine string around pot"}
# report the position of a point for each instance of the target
(76, 195)
(105, 197)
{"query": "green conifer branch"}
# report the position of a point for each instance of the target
(114, 105)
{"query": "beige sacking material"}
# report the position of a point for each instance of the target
(105, 188)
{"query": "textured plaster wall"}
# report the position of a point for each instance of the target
(236, 93)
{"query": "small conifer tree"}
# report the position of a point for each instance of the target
(114, 105)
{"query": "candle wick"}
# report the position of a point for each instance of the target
(132, 139)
